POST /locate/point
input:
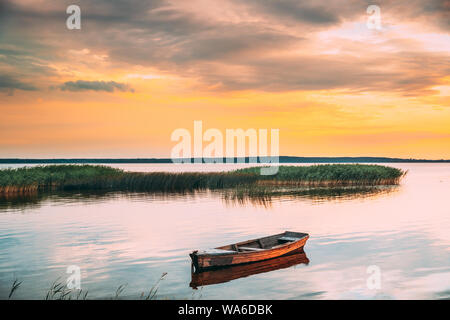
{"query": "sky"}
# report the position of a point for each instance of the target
(139, 69)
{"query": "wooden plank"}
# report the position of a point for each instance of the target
(214, 252)
(260, 243)
(250, 249)
(290, 239)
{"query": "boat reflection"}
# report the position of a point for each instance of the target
(226, 274)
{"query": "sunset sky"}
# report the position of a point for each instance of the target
(140, 69)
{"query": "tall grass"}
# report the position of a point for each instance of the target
(59, 291)
(58, 177)
(88, 177)
(331, 175)
(16, 284)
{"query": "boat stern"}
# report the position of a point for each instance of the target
(194, 258)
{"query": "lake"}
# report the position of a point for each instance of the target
(131, 239)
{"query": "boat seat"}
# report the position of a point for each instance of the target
(288, 239)
(215, 252)
(250, 249)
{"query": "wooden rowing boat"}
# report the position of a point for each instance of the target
(229, 273)
(249, 251)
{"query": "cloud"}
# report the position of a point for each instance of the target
(300, 11)
(405, 73)
(334, 12)
(429, 12)
(81, 85)
(9, 84)
(271, 45)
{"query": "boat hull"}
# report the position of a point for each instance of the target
(206, 261)
(229, 273)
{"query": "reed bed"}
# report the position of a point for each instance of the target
(88, 177)
(330, 175)
(31, 179)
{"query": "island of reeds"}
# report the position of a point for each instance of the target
(92, 177)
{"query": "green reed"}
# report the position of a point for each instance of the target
(90, 177)
(59, 291)
(331, 174)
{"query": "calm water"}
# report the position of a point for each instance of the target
(133, 238)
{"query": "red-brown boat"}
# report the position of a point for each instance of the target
(249, 251)
(229, 273)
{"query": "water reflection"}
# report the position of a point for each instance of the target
(265, 196)
(226, 274)
(118, 238)
(22, 201)
(239, 196)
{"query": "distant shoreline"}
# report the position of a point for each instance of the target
(282, 159)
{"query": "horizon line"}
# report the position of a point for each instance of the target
(282, 159)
